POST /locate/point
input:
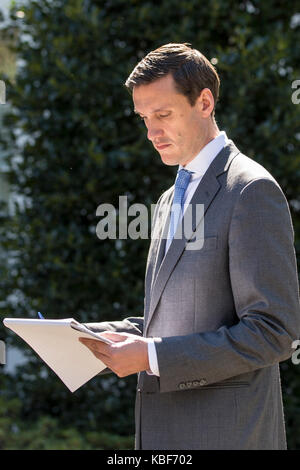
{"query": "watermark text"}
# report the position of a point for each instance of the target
(115, 223)
(2, 92)
(296, 94)
(2, 353)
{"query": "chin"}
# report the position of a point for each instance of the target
(171, 161)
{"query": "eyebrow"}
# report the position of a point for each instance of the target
(164, 108)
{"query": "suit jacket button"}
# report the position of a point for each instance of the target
(182, 386)
(202, 382)
(196, 383)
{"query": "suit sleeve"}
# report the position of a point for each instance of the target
(132, 325)
(263, 275)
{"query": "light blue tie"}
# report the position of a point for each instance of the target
(181, 183)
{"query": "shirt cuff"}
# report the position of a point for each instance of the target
(152, 356)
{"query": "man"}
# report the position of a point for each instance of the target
(220, 318)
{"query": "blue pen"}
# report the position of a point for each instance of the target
(41, 316)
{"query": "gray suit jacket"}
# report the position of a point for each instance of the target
(223, 317)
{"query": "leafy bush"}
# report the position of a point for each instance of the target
(74, 143)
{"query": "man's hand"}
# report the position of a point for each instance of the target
(127, 355)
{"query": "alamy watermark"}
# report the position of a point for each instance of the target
(2, 353)
(2, 92)
(115, 223)
(296, 94)
(296, 354)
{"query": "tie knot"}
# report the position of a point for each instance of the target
(183, 179)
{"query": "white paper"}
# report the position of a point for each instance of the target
(56, 342)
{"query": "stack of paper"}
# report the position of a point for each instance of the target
(57, 343)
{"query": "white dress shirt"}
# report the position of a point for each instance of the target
(199, 165)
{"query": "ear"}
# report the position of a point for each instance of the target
(205, 102)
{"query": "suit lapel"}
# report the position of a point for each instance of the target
(204, 194)
(163, 224)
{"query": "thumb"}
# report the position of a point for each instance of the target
(117, 337)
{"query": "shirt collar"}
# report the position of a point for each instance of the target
(202, 161)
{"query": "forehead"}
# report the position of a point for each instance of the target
(159, 94)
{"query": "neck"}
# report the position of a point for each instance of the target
(212, 131)
(208, 133)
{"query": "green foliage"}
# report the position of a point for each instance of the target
(47, 433)
(75, 143)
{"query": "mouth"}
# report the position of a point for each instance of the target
(162, 146)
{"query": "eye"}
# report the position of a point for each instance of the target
(164, 115)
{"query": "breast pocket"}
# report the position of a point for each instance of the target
(197, 248)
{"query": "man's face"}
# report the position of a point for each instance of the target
(175, 128)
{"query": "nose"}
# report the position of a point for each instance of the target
(154, 131)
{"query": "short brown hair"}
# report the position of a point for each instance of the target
(191, 71)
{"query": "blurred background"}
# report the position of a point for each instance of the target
(69, 141)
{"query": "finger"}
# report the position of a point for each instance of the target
(107, 360)
(91, 342)
(95, 346)
(114, 336)
(102, 358)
